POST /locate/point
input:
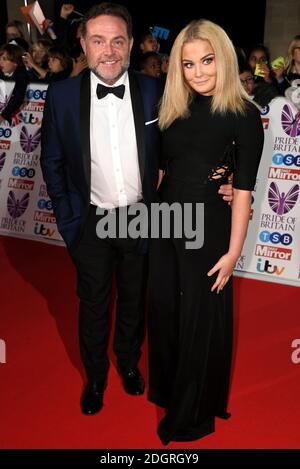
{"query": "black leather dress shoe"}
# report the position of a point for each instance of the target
(92, 398)
(133, 381)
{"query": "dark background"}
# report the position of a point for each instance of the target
(3, 20)
(244, 28)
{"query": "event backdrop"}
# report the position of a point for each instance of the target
(25, 208)
(272, 248)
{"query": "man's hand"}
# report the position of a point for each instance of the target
(227, 191)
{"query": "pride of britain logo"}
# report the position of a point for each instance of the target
(2, 160)
(290, 124)
(281, 202)
(16, 207)
(29, 142)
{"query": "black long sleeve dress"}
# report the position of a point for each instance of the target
(190, 327)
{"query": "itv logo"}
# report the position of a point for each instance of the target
(42, 230)
(265, 267)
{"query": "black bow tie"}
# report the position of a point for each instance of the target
(118, 91)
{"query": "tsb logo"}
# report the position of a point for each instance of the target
(6, 133)
(44, 204)
(287, 160)
(265, 110)
(275, 238)
(23, 172)
(36, 94)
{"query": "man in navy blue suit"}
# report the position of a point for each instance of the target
(100, 148)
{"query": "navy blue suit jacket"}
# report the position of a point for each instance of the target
(65, 154)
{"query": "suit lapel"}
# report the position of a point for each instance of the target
(85, 106)
(139, 119)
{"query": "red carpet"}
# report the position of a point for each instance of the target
(42, 379)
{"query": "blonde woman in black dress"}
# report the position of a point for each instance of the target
(209, 129)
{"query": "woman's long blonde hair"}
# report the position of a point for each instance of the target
(290, 55)
(229, 93)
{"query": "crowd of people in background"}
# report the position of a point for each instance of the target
(47, 60)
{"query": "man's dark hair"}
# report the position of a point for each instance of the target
(107, 8)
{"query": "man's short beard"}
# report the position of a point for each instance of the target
(95, 71)
(122, 71)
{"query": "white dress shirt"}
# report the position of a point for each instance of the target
(115, 173)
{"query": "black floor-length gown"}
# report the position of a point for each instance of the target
(190, 327)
